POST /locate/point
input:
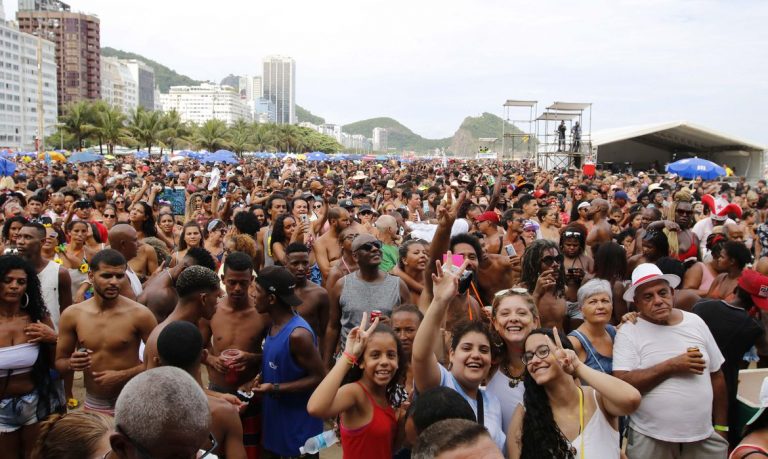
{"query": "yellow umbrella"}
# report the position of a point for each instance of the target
(54, 155)
(301, 157)
(109, 156)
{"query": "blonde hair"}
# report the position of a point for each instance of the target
(244, 243)
(684, 195)
(519, 292)
(71, 436)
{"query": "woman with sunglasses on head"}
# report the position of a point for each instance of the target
(560, 418)
(513, 317)
(573, 245)
(543, 275)
(215, 231)
(27, 345)
(122, 205)
(469, 356)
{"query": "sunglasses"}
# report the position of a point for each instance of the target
(368, 246)
(549, 260)
(317, 206)
(575, 234)
(110, 215)
(542, 352)
(515, 290)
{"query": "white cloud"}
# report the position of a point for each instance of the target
(430, 63)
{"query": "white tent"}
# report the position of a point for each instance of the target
(666, 142)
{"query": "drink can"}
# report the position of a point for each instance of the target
(693, 349)
(375, 313)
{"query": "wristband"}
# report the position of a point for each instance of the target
(350, 358)
(720, 428)
(275, 388)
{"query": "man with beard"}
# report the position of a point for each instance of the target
(314, 299)
(366, 290)
(101, 336)
(327, 247)
(199, 291)
(159, 292)
(601, 229)
(512, 221)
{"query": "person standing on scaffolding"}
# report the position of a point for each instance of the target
(561, 136)
(576, 137)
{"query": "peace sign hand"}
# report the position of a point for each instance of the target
(358, 336)
(566, 358)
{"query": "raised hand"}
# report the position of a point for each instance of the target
(566, 358)
(445, 279)
(358, 336)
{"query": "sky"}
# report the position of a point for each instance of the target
(429, 64)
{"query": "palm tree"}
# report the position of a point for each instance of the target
(211, 135)
(76, 121)
(145, 127)
(173, 129)
(109, 127)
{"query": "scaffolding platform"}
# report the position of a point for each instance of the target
(564, 136)
(519, 140)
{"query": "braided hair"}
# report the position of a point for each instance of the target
(532, 265)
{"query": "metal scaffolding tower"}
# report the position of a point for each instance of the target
(519, 140)
(564, 136)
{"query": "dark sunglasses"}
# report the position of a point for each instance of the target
(549, 260)
(368, 246)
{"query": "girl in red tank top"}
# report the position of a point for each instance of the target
(371, 365)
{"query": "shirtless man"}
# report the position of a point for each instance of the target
(124, 238)
(314, 306)
(235, 325)
(488, 224)
(159, 292)
(512, 222)
(601, 229)
(180, 345)
(101, 336)
(327, 247)
(199, 291)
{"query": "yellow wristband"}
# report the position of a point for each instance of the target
(720, 428)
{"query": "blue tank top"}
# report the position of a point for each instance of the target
(595, 360)
(286, 424)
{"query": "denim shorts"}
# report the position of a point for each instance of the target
(17, 412)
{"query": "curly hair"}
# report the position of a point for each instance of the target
(244, 243)
(402, 251)
(11, 221)
(541, 436)
(402, 364)
(466, 238)
(37, 311)
(202, 257)
(278, 230)
(531, 269)
(196, 279)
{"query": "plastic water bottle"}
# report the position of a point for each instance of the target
(318, 442)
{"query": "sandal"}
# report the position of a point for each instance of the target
(73, 403)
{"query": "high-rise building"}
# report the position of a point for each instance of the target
(253, 88)
(380, 136)
(118, 86)
(78, 46)
(279, 87)
(205, 102)
(20, 103)
(144, 76)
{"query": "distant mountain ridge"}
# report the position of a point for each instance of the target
(465, 141)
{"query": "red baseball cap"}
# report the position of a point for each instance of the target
(488, 216)
(756, 285)
(539, 193)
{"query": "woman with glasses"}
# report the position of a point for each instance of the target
(559, 417)
(27, 345)
(543, 275)
(215, 231)
(413, 256)
(122, 206)
(593, 340)
(469, 356)
(191, 236)
(513, 317)
(109, 215)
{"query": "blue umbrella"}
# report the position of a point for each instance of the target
(317, 156)
(221, 156)
(691, 168)
(223, 152)
(84, 157)
(142, 154)
(7, 167)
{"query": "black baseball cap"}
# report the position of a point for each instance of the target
(278, 281)
(346, 203)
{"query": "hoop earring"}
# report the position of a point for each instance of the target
(24, 306)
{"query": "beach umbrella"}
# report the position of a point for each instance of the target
(317, 156)
(84, 157)
(178, 158)
(691, 168)
(7, 168)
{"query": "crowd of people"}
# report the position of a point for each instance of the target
(424, 309)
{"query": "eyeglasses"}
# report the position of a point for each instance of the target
(542, 352)
(368, 246)
(143, 453)
(549, 260)
(575, 234)
(515, 290)
(120, 202)
(110, 215)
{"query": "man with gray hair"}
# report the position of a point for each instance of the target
(162, 412)
(386, 230)
(455, 438)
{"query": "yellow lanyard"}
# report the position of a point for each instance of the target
(581, 421)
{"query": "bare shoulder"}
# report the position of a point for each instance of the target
(222, 412)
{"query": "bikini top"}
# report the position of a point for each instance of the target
(18, 359)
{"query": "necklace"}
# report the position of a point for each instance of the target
(513, 380)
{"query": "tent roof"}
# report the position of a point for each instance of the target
(552, 116)
(569, 106)
(676, 136)
(519, 103)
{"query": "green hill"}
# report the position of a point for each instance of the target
(164, 77)
(302, 114)
(399, 136)
(465, 139)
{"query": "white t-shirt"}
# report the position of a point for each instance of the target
(491, 407)
(702, 229)
(679, 410)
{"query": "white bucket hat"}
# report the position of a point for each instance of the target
(648, 272)
(763, 402)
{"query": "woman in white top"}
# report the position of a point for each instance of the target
(513, 317)
(560, 418)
